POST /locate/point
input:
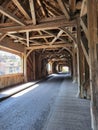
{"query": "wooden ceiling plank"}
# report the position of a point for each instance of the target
(32, 8)
(64, 9)
(11, 16)
(20, 7)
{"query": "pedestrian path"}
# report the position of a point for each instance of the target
(15, 89)
(8, 92)
(69, 111)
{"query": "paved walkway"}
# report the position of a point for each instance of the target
(8, 92)
(69, 112)
(15, 89)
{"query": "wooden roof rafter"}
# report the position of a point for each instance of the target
(72, 5)
(21, 8)
(32, 8)
(64, 9)
(11, 16)
(83, 8)
(52, 8)
(42, 8)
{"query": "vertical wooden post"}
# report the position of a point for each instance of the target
(25, 67)
(78, 55)
(74, 65)
(34, 67)
(93, 42)
(39, 66)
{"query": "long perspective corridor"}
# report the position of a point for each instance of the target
(48, 64)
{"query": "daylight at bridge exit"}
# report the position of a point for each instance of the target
(48, 65)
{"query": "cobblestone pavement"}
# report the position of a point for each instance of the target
(69, 112)
(29, 109)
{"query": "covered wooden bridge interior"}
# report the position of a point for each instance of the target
(59, 32)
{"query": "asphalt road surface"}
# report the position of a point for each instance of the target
(29, 109)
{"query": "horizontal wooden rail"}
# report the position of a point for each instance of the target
(11, 79)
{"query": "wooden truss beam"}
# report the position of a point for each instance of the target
(25, 39)
(85, 53)
(69, 34)
(11, 16)
(48, 46)
(44, 26)
(32, 8)
(84, 28)
(64, 9)
(41, 36)
(57, 37)
(20, 7)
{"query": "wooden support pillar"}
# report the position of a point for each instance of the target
(78, 55)
(25, 67)
(74, 64)
(54, 67)
(34, 67)
(82, 73)
(93, 54)
(39, 66)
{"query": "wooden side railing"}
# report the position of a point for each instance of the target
(10, 80)
(86, 89)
